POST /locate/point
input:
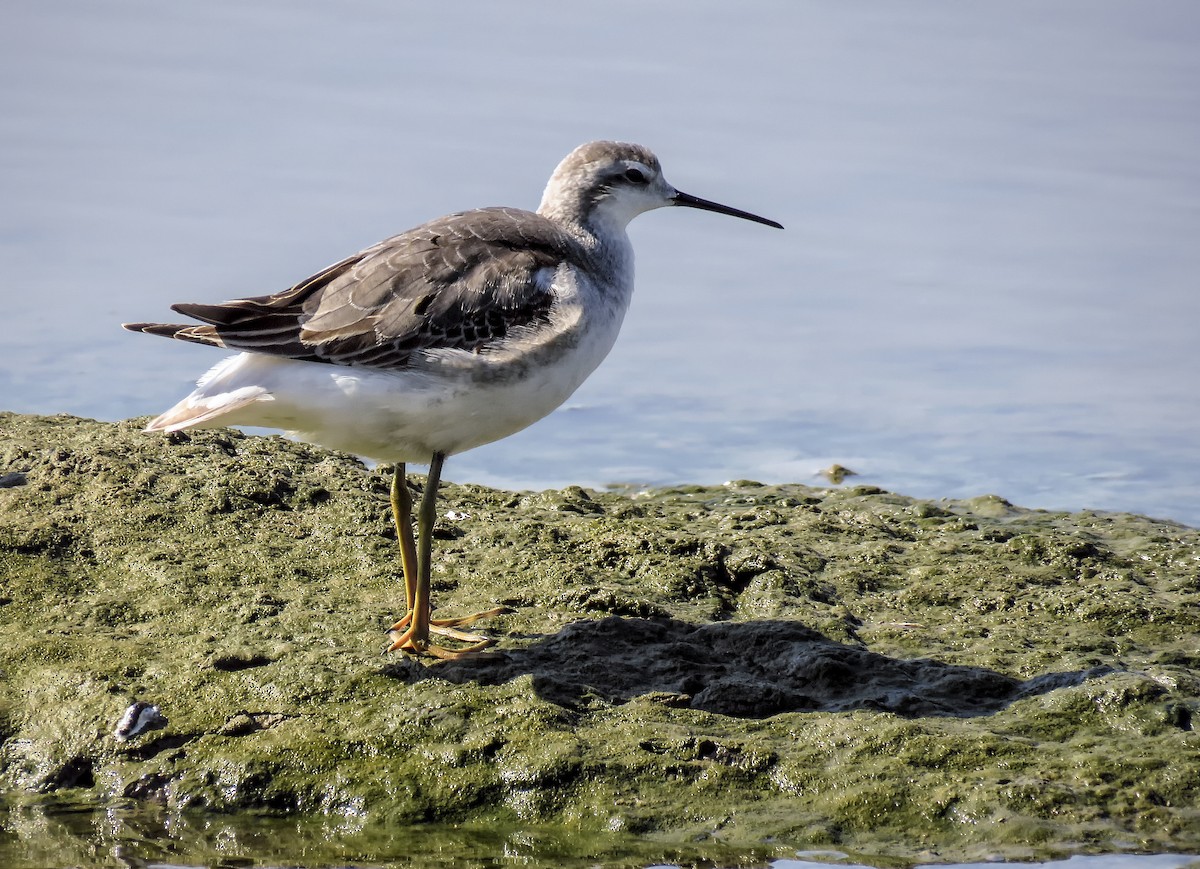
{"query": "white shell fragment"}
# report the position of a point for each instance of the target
(138, 717)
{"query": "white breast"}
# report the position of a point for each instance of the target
(449, 402)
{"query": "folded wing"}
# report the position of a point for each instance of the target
(459, 282)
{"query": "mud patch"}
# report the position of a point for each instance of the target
(771, 668)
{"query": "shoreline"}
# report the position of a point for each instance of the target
(761, 668)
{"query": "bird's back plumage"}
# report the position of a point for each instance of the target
(459, 282)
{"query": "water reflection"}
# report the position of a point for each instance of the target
(56, 835)
(49, 836)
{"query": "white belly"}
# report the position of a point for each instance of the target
(453, 403)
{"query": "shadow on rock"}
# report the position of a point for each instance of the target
(743, 669)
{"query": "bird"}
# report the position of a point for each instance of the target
(454, 334)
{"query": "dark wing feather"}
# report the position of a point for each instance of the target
(459, 282)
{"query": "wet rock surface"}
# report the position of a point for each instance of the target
(749, 668)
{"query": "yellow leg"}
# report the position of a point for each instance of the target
(422, 608)
(402, 518)
(418, 619)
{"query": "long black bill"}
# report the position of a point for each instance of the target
(705, 205)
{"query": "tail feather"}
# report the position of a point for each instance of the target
(196, 334)
(221, 391)
(197, 410)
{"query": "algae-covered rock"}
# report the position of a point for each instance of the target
(760, 668)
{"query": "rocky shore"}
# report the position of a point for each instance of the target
(707, 671)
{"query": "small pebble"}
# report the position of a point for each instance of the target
(138, 717)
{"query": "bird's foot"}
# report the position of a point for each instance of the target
(404, 637)
(459, 622)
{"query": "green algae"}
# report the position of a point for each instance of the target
(749, 669)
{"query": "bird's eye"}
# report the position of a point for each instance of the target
(637, 176)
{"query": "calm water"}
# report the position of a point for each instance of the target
(988, 281)
(1104, 861)
(147, 837)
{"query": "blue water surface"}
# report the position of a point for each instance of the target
(988, 282)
